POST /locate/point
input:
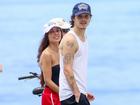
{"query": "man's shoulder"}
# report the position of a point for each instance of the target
(69, 42)
(69, 37)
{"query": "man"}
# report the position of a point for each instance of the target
(73, 59)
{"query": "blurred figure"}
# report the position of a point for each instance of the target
(74, 59)
(1, 67)
(48, 59)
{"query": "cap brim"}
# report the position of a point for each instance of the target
(82, 12)
(47, 29)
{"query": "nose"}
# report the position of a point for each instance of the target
(56, 32)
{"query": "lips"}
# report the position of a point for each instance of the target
(83, 23)
(56, 37)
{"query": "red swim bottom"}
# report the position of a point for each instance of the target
(50, 97)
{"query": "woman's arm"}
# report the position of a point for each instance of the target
(46, 67)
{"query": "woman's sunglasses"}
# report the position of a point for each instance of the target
(65, 30)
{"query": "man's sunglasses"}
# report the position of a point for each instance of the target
(65, 30)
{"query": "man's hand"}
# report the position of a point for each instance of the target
(77, 97)
(90, 97)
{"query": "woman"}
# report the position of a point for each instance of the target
(48, 59)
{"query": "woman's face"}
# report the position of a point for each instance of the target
(54, 35)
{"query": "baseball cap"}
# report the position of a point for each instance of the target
(81, 8)
(56, 22)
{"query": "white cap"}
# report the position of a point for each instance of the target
(62, 23)
(56, 22)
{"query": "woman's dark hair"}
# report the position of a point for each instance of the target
(44, 43)
(42, 82)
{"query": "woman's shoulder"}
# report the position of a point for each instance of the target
(45, 57)
(46, 53)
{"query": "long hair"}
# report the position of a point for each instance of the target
(44, 44)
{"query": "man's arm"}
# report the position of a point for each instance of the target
(69, 47)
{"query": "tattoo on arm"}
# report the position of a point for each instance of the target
(69, 44)
(68, 58)
(71, 82)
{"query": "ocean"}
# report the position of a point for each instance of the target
(114, 48)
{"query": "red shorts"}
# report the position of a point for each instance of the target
(50, 97)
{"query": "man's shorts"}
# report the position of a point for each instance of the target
(71, 101)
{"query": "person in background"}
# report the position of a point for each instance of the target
(48, 59)
(73, 51)
(1, 67)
